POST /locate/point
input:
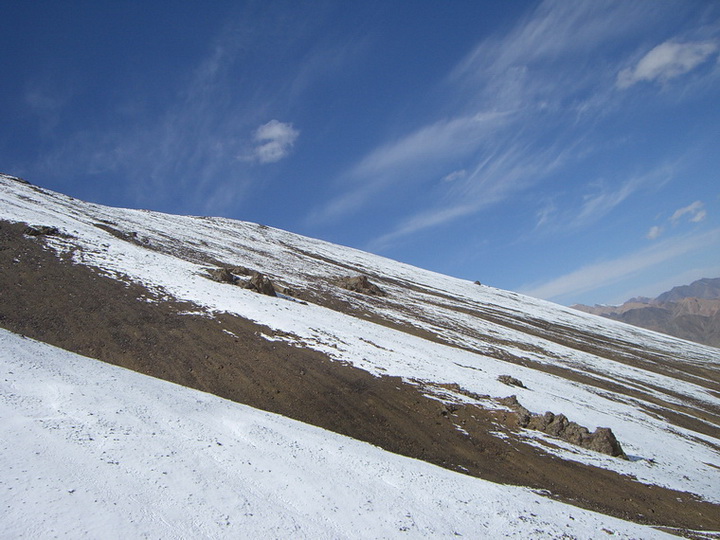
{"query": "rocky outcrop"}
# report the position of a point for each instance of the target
(360, 284)
(222, 275)
(127, 236)
(261, 284)
(41, 230)
(241, 271)
(557, 425)
(258, 282)
(511, 381)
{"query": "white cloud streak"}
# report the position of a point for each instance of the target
(602, 274)
(440, 140)
(409, 158)
(419, 222)
(600, 204)
(495, 95)
(667, 61)
(455, 175)
(275, 141)
(493, 180)
(695, 213)
(546, 213)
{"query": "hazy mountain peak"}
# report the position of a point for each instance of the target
(707, 288)
(689, 312)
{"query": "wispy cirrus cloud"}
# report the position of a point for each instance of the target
(603, 200)
(667, 61)
(440, 140)
(411, 159)
(609, 272)
(600, 203)
(598, 200)
(495, 178)
(455, 175)
(421, 221)
(519, 89)
(695, 213)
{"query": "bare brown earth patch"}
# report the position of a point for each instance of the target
(693, 414)
(77, 308)
(680, 410)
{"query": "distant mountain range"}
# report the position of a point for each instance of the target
(689, 312)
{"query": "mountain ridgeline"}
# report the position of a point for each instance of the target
(689, 312)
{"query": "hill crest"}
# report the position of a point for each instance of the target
(421, 369)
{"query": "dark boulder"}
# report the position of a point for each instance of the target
(603, 440)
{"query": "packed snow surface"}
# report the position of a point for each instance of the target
(90, 450)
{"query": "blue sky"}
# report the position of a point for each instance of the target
(568, 150)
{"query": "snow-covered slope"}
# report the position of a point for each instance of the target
(90, 450)
(449, 337)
